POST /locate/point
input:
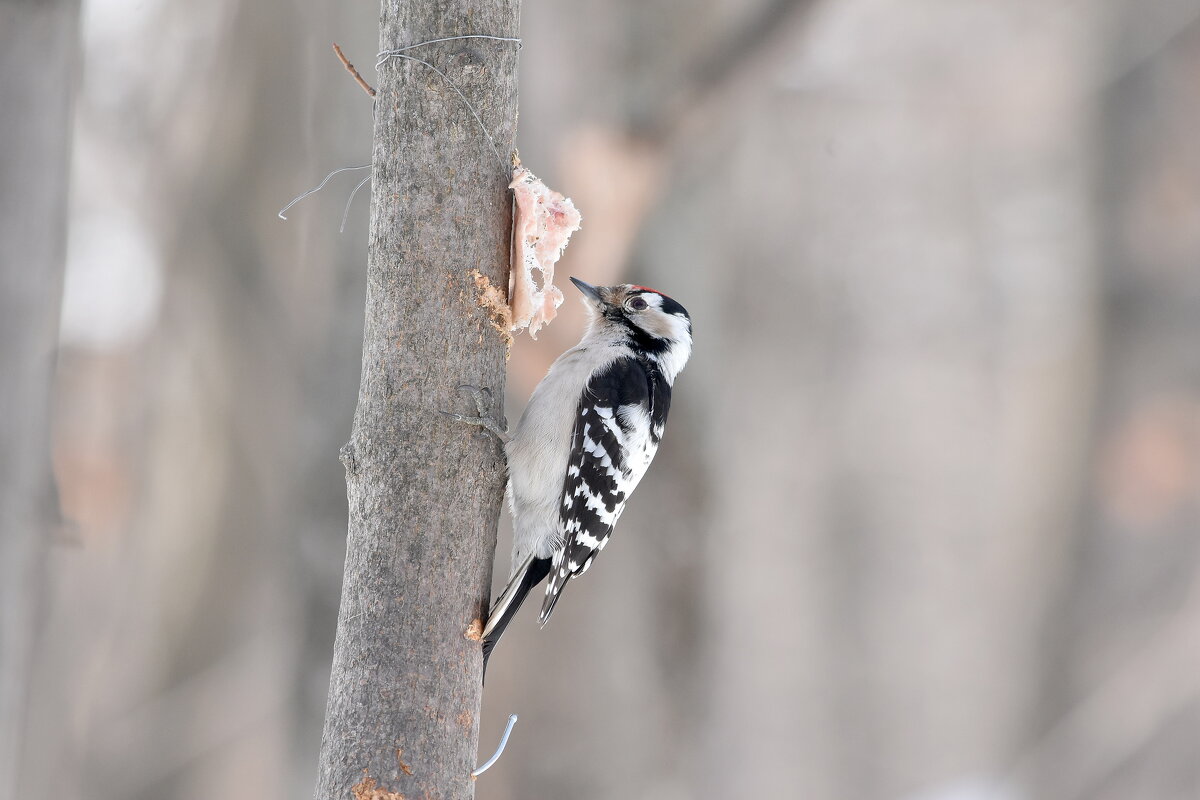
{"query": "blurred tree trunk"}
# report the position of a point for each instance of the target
(1121, 708)
(930, 335)
(424, 494)
(34, 162)
(200, 462)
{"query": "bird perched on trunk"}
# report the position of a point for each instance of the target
(588, 434)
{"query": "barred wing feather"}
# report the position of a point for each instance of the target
(617, 430)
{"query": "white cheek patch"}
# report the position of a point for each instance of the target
(665, 326)
(679, 327)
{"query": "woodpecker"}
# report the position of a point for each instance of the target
(589, 432)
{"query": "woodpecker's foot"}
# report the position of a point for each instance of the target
(483, 401)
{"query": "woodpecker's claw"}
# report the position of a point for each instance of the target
(483, 400)
(481, 395)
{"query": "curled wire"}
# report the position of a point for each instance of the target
(485, 766)
(319, 187)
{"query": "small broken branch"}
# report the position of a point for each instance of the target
(366, 87)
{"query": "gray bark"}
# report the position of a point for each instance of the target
(424, 493)
(37, 49)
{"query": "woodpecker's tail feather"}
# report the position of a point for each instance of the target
(529, 575)
(558, 581)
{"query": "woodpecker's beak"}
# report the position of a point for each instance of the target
(590, 291)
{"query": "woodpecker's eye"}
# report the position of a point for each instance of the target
(637, 304)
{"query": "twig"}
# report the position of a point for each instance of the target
(485, 766)
(366, 87)
(384, 57)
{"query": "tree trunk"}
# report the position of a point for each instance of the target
(424, 492)
(37, 51)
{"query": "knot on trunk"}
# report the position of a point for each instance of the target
(349, 458)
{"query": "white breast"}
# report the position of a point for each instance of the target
(541, 444)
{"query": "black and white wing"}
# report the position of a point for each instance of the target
(617, 430)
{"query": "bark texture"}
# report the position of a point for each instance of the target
(34, 161)
(424, 493)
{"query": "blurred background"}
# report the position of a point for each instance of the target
(926, 521)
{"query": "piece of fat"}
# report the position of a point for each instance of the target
(543, 221)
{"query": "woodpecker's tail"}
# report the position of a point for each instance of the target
(529, 575)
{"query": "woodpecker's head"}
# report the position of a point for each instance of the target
(653, 323)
